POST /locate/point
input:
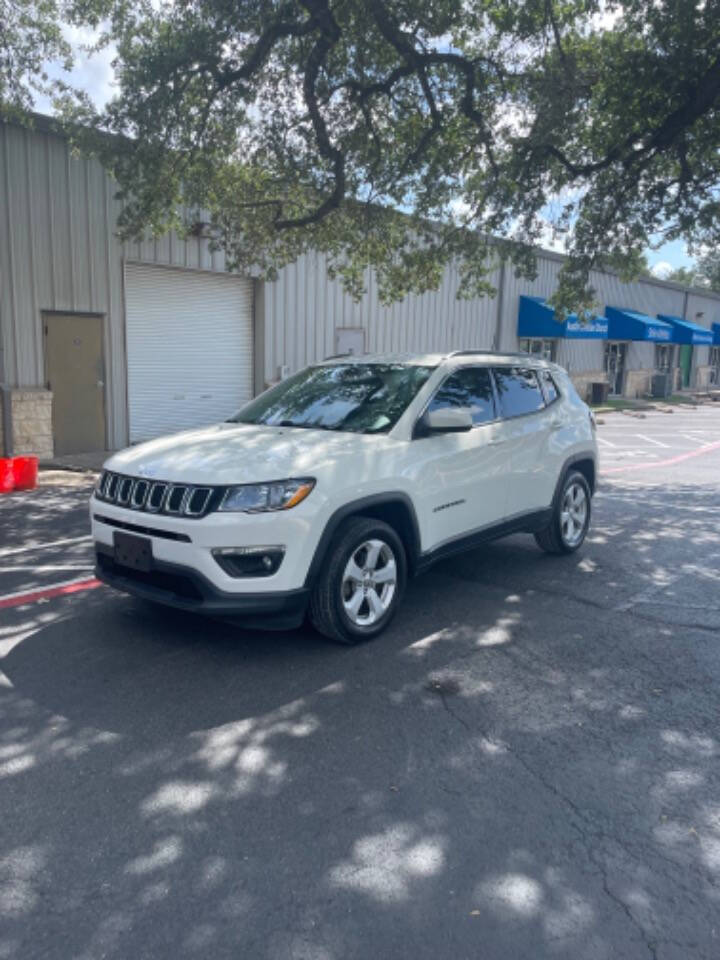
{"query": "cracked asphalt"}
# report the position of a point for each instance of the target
(525, 766)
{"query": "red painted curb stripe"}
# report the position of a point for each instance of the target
(664, 463)
(32, 596)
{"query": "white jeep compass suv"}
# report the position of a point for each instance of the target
(327, 491)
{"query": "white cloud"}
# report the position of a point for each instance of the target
(92, 73)
(662, 269)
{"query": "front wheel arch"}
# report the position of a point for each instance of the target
(327, 611)
(394, 508)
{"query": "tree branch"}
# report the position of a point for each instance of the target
(278, 30)
(330, 34)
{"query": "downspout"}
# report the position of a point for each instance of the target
(686, 297)
(7, 420)
(500, 305)
(7, 444)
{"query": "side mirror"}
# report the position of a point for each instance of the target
(446, 420)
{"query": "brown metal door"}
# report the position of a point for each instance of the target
(75, 374)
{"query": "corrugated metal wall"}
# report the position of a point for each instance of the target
(58, 251)
(646, 296)
(704, 311)
(574, 355)
(542, 286)
(303, 309)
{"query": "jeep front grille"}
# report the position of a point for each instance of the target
(158, 496)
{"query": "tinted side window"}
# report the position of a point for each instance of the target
(472, 388)
(549, 389)
(519, 391)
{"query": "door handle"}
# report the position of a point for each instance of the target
(555, 423)
(495, 443)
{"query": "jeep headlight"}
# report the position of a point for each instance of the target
(261, 497)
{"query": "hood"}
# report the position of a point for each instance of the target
(228, 453)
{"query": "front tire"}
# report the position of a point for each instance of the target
(361, 582)
(570, 522)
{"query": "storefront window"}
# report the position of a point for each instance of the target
(715, 366)
(538, 348)
(615, 366)
(664, 356)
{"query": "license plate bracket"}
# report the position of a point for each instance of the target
(132, 551)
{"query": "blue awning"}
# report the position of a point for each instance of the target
(629, 325)
(537, 319)
(684, 331)
(716, 334)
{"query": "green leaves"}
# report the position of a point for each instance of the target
(30, 36)
(397, 135)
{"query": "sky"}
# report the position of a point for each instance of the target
(669, 256)
(94, 74)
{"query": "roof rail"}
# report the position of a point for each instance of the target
(485, 353)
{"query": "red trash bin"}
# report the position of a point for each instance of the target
(7, 475)
(25, 472)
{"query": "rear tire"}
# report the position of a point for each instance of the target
(568, 528)
(361, 582)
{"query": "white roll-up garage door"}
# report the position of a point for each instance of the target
(189, 348)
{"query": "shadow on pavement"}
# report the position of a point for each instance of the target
(525, 765)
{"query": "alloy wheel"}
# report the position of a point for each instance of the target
(573, 514)
(369, 582)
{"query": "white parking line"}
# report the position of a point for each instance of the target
(619, 484)
(34, 547)
(626, 497)
(695, 439)
(606, 442)
(650, 440)
(45, 568)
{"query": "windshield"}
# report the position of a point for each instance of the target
(359, 397)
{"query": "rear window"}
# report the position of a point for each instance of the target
(519, 391)
(549, 387)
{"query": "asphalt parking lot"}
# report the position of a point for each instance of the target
(525, 766)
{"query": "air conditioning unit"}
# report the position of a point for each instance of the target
(661, 386)
(599, 393)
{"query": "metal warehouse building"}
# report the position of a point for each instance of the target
(104, 343)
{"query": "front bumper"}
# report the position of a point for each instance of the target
(185, 574)
(190, 542)
(182, 587)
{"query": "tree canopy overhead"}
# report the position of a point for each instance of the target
(404, 133)
(30, 37)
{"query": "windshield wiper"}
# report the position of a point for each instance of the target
(299, 426)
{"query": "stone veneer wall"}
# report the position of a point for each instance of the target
(702, 377)
(31, 411)
(638, 383)
(582, 381)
